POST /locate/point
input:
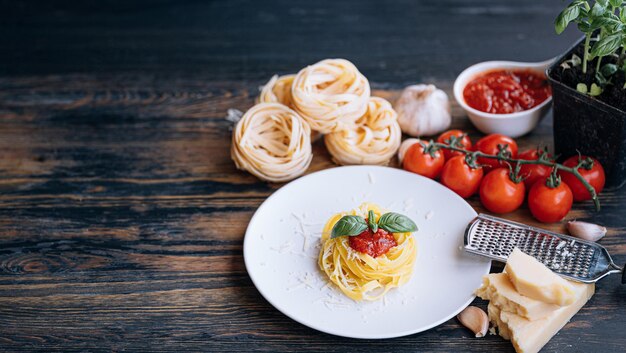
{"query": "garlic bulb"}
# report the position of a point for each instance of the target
(586, 231)
(423, 110)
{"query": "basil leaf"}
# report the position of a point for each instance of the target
(396, 223)
(371, 220)
(598, 9)
(606, 45)
(584, 27)
(607, 22)
(348, 225)
(565, 17)
(608, 70)
(600, 79)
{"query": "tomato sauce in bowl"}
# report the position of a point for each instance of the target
(506, 91)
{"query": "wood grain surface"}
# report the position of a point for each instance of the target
(121, 214)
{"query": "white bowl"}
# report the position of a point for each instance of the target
(513, 124)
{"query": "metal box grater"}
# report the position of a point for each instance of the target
(570, 257)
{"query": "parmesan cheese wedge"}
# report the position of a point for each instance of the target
(530, 336)
(498, 289)
(533, 279)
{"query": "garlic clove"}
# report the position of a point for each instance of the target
(586, 231)
(475, 319)
(405, 146)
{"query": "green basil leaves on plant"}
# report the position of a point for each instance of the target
(595, 90)
(600, 79)
(608, 70)
(606, 45)
(565, 17)
(610, 21)
(348, 225)
(396, 223)
(598, 9)
(604, 24)
(584, 27)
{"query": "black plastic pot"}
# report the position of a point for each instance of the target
(586, 124)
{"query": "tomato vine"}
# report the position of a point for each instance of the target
(543, 160)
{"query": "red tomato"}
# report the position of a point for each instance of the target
(499, 194)
(419, 161)
(548, 204)
(460, 177)
(489, 145)
(594, 176)
(463, 142)
(533, 172)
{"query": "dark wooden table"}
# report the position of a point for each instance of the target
(121, 214)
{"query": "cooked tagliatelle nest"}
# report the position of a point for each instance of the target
(272, 142)
(374, 140)
(359, 275)
(278, 90)
(330, 94)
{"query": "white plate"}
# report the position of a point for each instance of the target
(282, 261)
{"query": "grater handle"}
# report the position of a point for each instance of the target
(624, 275)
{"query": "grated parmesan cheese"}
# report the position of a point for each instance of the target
(285, 247)
(325, 286)
(408, 204)
(371, 178)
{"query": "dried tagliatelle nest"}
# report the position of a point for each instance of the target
(330, 95)
(373, 140)
(278, 90)
(272, 142)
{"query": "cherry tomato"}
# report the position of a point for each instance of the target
(500, 194)
(463, 142)
(549, 204)
(533, 172)
(594, 176)
(489, 145)
(459, 177)
(422, 162)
